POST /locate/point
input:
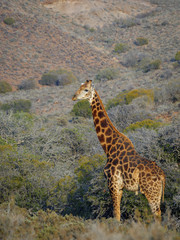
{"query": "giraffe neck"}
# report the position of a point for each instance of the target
(107, 134)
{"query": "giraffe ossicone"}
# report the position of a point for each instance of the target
(125, 168)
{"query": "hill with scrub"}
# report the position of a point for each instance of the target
(51, 175)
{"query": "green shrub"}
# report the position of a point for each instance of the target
(138, 93)
(154, 65)
(128, 97)
(120, 99)
(9, 21)
(141, 41)
(120, 48)
(177, 56)
(107, 74)
(27, 84)
(147, 123)
(59, 77)
(5, 87)
(17, 106)
(82, 109)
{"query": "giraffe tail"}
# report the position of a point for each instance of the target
(163, 187)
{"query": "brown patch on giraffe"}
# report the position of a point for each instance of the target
(123, 153)
(125, 160)
(101, 138)
(104, 147)
(101, 114)
(118, 152)
(93, 107)
(126, 144)
(113, 149)
(94, 113)
(113, 170)
(108, 148)
(121, 147)
(104, 123)
(96, 121)
(115, 162)
(114, 155)
(125, 174)
(130, 153)
(119, 168)
(125, 167)
(98, 129)
(108, 132)
(114, 140)
(108, 139)
(141, 167)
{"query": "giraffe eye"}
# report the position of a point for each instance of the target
(86, 90)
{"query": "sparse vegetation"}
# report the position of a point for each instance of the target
(177, 56)
(9, 21)
(128, 97)
(169, 92)
(5, 87)
(106, 74)
(82, 109)
(27, 84)
(120, 48)
(17, 106)
(154, 65)
(60, 77)
(147, 123)
(141, 41)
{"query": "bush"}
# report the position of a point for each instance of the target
(120, 48)
(128, 97)
(147, 123)
(177, 56)
(9, 21)
(127, 23)
(27, 84)
(125, 115)
(106, 74)
(169, 92)
(118, 100)
(82, 109)
(154, 65)
(17, 106)
(131, 95)
(136, 59)
(141, 41)
(5, 87)
(60, 77)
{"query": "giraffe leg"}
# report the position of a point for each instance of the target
(116, 198)
(155, 208)
(154, 204)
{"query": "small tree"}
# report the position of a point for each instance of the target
(5, 87)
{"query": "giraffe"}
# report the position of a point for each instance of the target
(125, 168)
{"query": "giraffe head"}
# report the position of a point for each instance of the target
(84, 92)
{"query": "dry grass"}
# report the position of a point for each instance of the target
(17, 223)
